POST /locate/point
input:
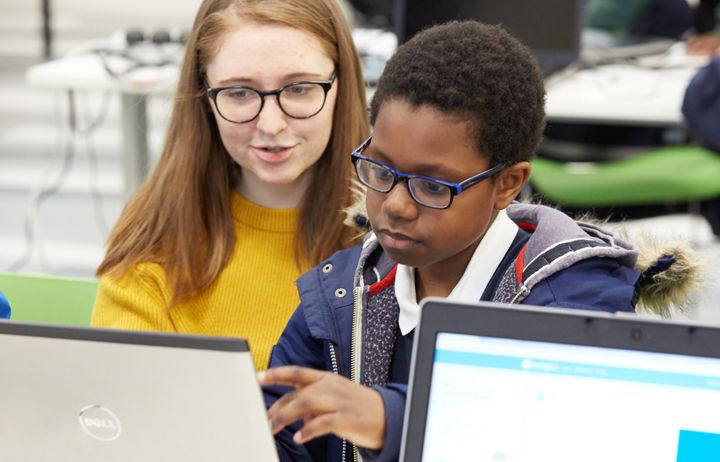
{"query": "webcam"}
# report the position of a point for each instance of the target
(636, 333)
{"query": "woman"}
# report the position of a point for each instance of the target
(250, 185)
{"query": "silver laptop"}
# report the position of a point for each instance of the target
(494, 382)
(87, 395)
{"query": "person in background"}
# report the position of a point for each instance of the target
(651, 19)
(706, 24)
(249, 190)
(639, 18)
(457, 114)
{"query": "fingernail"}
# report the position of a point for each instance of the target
(261, 376)
(297, 437)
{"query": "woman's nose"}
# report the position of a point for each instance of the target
(271, 120)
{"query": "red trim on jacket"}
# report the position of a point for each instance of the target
(520, 264)
(384, 283)
(526, 226)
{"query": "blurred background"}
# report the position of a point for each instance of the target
(80, 174)
(71, 151)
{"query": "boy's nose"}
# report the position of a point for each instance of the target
(271, 120)
(399, 204)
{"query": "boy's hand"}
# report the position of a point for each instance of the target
(328, 403)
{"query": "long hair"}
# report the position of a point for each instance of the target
(180, 217)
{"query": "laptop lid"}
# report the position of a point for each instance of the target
(493, 382)
(82, 395)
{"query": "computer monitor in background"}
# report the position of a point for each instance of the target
(550, 28)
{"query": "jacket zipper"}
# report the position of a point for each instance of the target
(333, 359)
(356, 352)
(336, 371)
(356, 349)
(523, 291)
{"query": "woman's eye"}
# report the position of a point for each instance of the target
(240, 93)
(298, 90)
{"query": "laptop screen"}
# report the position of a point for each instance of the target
(550, 28)
(509, 400)
(498, 398)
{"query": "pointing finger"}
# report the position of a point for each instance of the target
(290, 376)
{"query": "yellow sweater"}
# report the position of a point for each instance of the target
(253, 297)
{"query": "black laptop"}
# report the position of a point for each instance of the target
(550, 28)
(494, 382)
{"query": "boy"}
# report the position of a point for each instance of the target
(457, 114)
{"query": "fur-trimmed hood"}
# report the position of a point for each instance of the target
(670, 270)
(671, 275)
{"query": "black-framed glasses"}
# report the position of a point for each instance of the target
(299, 100)
(425, 190)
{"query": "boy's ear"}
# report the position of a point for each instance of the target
(509, 183)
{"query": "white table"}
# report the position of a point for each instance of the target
(648, 94)
(85, 72)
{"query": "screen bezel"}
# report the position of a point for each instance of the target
(96, 334)
(555, 325)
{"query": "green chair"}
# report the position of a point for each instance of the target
(49, 299)
(664, 175)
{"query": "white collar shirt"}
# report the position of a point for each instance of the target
(485, 260)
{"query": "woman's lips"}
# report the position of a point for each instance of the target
(273, 154)
(397, 241)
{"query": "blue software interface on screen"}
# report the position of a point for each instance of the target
(516, 400)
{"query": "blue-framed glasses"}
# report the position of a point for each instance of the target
(425, 190)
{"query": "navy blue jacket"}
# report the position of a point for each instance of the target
(319, 333)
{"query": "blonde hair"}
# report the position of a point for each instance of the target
(181, 216)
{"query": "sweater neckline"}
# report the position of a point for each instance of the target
(256, 216)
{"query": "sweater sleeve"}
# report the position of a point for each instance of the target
(136, 301)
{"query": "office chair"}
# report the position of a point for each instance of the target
(667, 175)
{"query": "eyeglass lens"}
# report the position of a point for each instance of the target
(382, 179)
(300, 100)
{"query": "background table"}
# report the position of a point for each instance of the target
(85, 72)
(648, 92)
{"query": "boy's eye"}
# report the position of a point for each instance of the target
(430, 188)
(381, 173)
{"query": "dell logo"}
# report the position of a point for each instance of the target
(89, 422)
(100, 423)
